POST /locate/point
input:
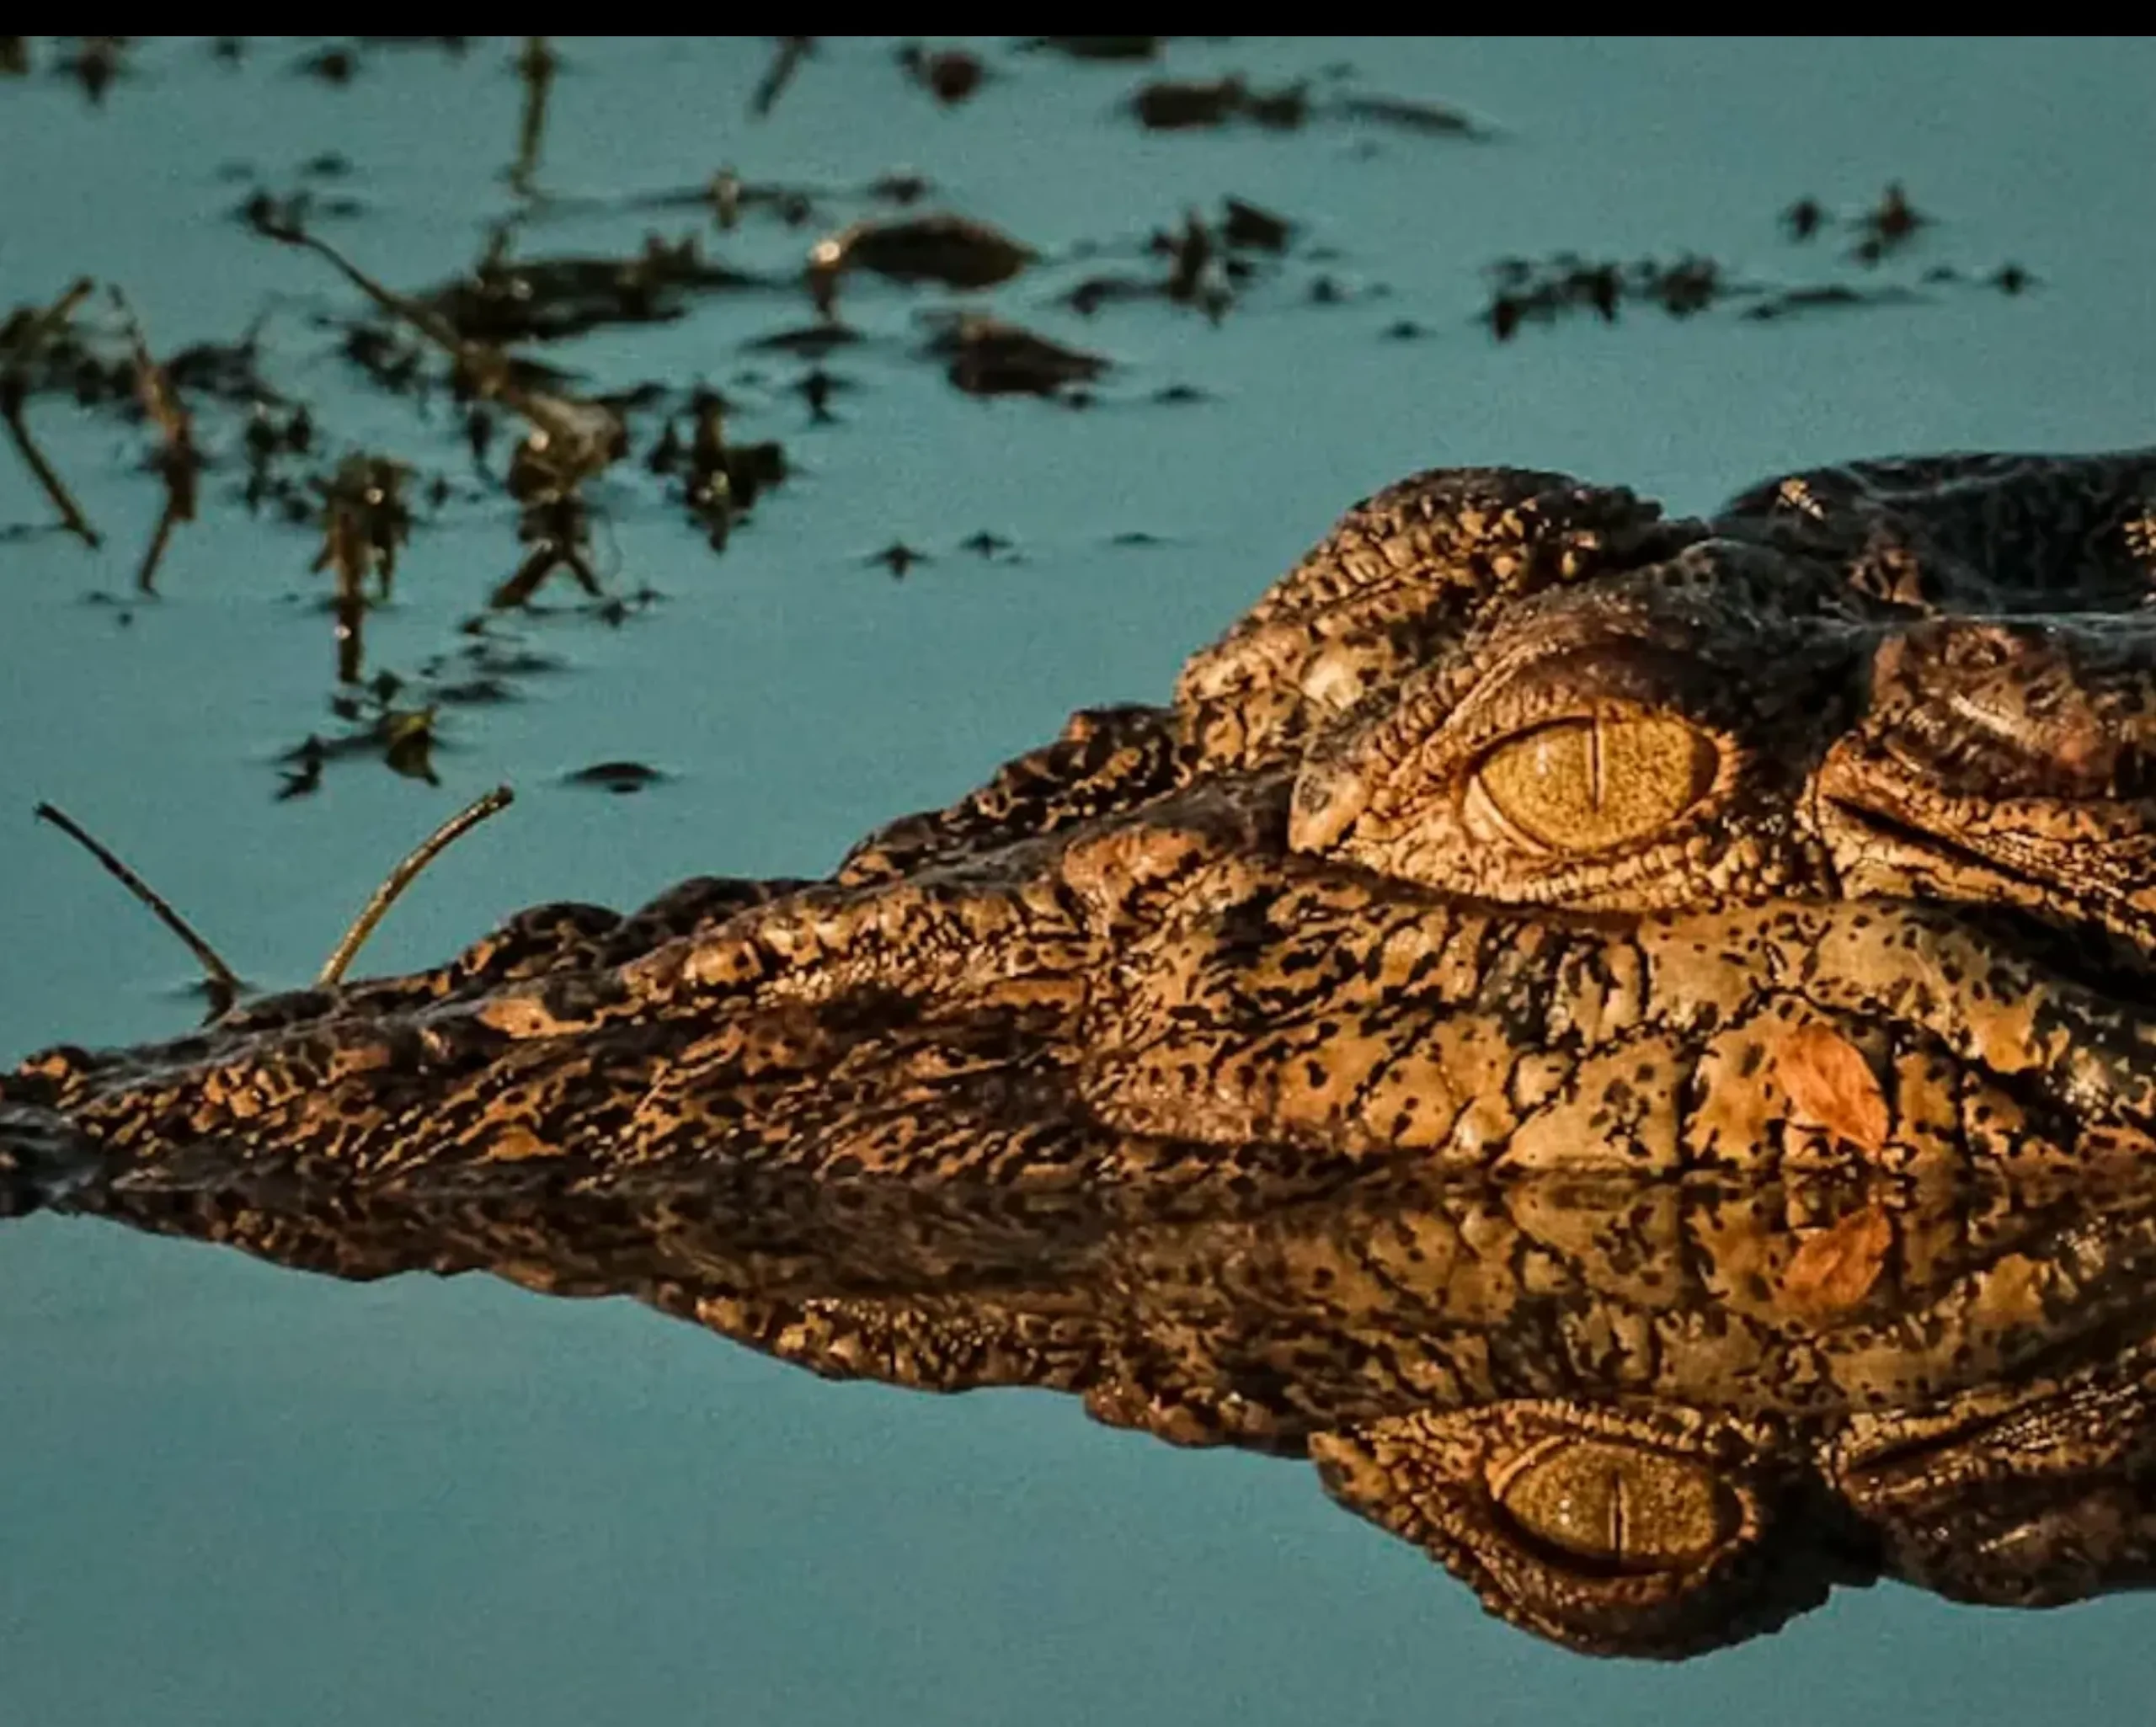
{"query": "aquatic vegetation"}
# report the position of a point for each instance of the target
(517, 338)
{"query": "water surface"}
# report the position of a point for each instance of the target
(237, 1495)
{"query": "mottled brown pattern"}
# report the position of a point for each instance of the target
(1626, 1041)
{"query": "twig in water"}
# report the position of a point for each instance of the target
(225, 986)
(579, 438)
(25, 330)
(179, 463)
(401, 876)
(535, 66)
(779, 74)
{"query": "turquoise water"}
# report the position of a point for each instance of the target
(235, 1493)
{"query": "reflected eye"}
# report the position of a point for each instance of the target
(1619, 1504)
(1583, 785)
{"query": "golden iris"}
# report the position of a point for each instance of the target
(1587, 784)
(1640, 1510)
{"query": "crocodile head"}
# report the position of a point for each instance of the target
(1517, 837)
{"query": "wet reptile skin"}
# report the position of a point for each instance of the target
(1628, 1042)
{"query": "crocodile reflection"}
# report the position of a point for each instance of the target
(1625, 1041)
(1644, 1418)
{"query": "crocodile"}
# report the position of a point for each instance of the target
(1621, 1039)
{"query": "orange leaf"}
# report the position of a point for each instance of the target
(1834, 1271)
(1831, 1086)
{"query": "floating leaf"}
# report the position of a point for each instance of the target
(1100, 47)
(1832, 1271)
(1170, 105)
(619, 777)
(407, 736)
(951, 75)
(1434, 117)
(951, 250)
(991, 357)
(898, 557)
(1251, 225)
(1831, 1086)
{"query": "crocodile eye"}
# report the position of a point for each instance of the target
(1580, 786)
(1617, 1505)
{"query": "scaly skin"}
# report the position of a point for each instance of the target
(1626, 1041)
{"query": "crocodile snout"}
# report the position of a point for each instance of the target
(41, 1158)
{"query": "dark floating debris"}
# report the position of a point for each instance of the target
(1803, 219)
(14, 56)
(1542, 293)
(1098, 47)
(1174, 106)
(951, 75)
(991, 546)
(1528, 293)
(1887, 225)
(786, 61)
(1090, 295)
(302, 767)
(1191, 280)
(1433, 119)
(1833, 296)
(570, 441)
(28, 338)
(176, 463)
(951, 250)
(365, 522)
(406, 738)
(536, 66)
(334, 65)
(548, 299)
(265, 211)
(725, 197)
(720, 481)
(1525, 292)
(402, 738)
(95, 63)
(619, 777)
(809, 341)
(1207, 263)
(989, 357)
(898, 557)
(900, 188)
(454, 46)
(1880, 231)
(816, 388)
(1251, 227)
(479, 674)
(557, 525)
(2008, 278)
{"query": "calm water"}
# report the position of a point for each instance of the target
(234, 1494)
